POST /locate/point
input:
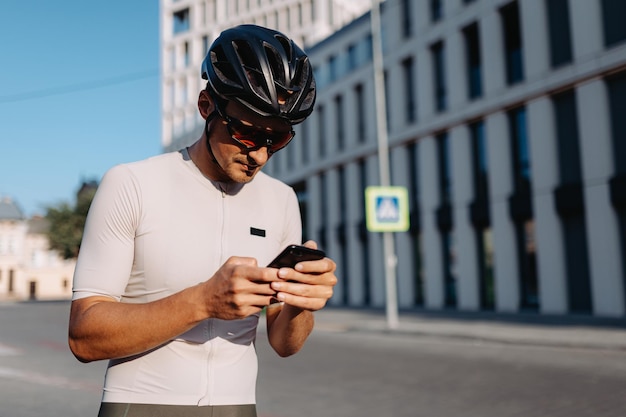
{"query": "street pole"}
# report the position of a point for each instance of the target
(383, 161)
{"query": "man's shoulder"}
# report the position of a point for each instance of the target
(156, 162)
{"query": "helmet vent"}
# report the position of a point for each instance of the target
(250, 63)
(223, 69)
(274, 60)
(286, 44)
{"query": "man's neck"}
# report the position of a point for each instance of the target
(201, 157)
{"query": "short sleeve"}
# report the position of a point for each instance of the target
(106, 254)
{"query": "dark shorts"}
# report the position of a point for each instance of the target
(158, 410)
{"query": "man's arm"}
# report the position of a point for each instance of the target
(102, 328)
(290, 322)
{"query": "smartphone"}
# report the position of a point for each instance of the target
(293, 254)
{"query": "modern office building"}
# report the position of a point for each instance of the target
(188, 27)
(506, 124)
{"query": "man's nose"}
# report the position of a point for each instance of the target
(260, 155)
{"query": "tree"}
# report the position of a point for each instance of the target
(67, 223)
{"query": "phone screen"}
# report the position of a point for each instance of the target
(293, 254)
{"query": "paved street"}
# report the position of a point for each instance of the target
(353, 367)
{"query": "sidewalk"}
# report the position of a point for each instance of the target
(524, 328)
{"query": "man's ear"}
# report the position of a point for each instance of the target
(205, 104)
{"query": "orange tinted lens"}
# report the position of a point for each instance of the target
(251, 137)
(279, 140)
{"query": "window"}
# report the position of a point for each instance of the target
(444, 218)
(479, 160)
(566, 121)
(473, 61)
(205, 44)
(341, 232)
(181, 21)
(512, 43)
(407, 28)
(437, 52)
(616, 86)
(360, 113)
(363, 238)
(323, 199)
(321, 120)
(409, 84)
(333, 68)
(520, 208)
(186, 54)
(352, 57)
(339, 120)
(569, 202)
(443, 158)
(436, 10)
(416, 239)
(613, 12)
(479, 212)
(559, 32)
(519, 147)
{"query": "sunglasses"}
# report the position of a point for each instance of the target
(251, 137)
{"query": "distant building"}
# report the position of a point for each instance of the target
(28, 268)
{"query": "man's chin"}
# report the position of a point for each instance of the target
(243, 177)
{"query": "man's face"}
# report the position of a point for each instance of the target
(239, 163)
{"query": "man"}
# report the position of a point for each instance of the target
(171, 278)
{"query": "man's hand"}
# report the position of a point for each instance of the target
(239, 289)
(304, 289)
(309, 285)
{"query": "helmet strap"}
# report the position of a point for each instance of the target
(210, 117)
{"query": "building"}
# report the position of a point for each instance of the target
(506, 125)
(29, 270)
(188, 27)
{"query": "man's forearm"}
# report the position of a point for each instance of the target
(104, 329)
(288, 328)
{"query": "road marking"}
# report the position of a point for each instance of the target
(53, 381)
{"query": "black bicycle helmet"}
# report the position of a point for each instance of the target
(262, 69)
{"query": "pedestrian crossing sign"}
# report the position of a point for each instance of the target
(387, 209)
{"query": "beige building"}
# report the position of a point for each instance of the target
(29, 270)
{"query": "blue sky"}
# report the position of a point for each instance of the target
(79, 93)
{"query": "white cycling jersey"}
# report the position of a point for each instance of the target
(158, 226)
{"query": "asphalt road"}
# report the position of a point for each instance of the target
(338, 374)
